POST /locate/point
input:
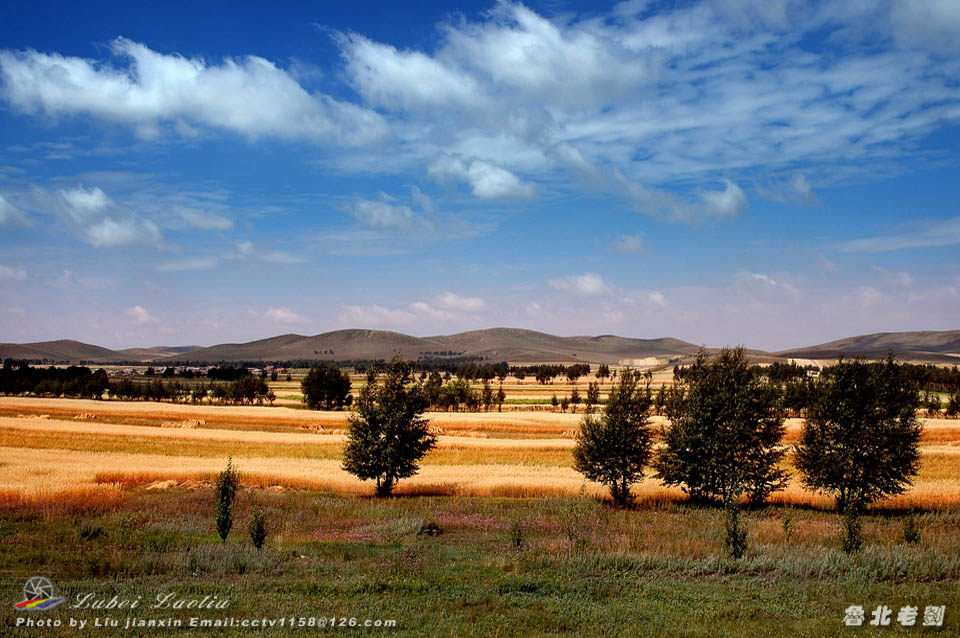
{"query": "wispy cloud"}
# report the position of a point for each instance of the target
(628, 244)
(202, 219)
(930, 235)
(11, 273)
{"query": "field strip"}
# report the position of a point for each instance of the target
(529, 423)
(251, 436)
(46, 472)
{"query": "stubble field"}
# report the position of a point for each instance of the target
(118, 497)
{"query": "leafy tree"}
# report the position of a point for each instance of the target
(520, 375)
(501, 397)
(388, 435)
(593, 396)
(603, 371)
(486, 396)
(564, 403)
(326, 387)
(725, 429)
(661, 400)
(226, 489)
(431, 388)
(575, 398)
(861, 440)
(614, 447)
(953, 405)
(553, 401)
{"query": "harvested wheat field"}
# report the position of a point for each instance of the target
(50, 445)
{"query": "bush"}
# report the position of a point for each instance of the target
(614, 448)
(258, 528)
(517, 533)
(429, 529)
(852, 539)
(736, 532)
(226, 491)
(911, 529)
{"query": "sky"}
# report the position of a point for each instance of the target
(770, 173)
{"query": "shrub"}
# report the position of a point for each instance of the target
(226, 492)
(736, 533)
(517, 532)
(429, 529)
(911, 529)
(258, 528)
(852, 539)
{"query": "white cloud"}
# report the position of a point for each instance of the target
(422, 308)
(726, 203)
(628, 244)
(486, 180)
(381, 214)
(139, 315)
(82, 203)
(404, 79)
(202, 219)
(282, 314)
(110, 232)
(148, 90)
(587, 285)
(456, 302)
(11, 215)
(657, 298)
(12, 274)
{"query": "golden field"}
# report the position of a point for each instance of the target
(51, 447)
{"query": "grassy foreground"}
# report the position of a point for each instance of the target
(451, 566)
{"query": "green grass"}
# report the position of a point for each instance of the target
(584, 569)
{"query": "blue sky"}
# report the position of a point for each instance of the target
(769, 173)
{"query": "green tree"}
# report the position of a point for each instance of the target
(520, 375)
(861, 440)
(575, 399)
(226, 492)
(593, 396)
(725, 429)
(326, 387)
(486, 396)
(613, 448)
(603, 371)
(388, 435)
(501, 397)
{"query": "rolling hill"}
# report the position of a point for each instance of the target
(931, 346)
(494, 344)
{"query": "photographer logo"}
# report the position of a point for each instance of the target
(38, 593)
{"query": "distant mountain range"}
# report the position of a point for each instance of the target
(495, 344)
